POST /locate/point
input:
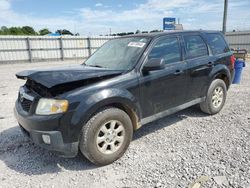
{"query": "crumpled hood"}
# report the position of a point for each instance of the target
(68, 74)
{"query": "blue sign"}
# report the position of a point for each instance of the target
(168, 23)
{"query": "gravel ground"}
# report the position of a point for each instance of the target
(187, 149)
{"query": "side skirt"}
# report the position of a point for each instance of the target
(171, 111)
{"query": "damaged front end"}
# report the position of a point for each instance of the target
(53, 82)
(61, 88)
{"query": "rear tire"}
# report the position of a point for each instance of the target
(106, 136)
(216, 97)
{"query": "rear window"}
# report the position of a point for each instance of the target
(217, 43)
(195, 46)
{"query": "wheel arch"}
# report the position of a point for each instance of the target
(123, 100)
(221, 72)
(120, 103)
(224, 77)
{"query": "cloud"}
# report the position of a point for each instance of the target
(146, 16)
(193, 14)
(98, 4)
(4, 5)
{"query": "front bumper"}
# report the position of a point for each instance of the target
(35, 127)
(56, 142)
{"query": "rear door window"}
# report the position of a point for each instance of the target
(195, 46)
(217, 43)
(167, 49)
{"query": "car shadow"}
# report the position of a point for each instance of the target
(21, 155)
(154, 126)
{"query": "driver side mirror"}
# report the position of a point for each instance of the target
(153, 64)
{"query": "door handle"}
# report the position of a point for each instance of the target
(210, 64)
(178, 72)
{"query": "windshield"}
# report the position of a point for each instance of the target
(118, 54)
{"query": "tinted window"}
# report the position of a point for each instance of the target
(217, 43)
(167, 49)
(195, 46)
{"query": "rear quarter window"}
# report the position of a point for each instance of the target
(217, 43)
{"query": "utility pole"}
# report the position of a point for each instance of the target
(224, 27)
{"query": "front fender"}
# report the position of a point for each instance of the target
(92, 103)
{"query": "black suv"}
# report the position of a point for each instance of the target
(128, 82)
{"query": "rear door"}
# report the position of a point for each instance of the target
(163, 89)
(199, 64)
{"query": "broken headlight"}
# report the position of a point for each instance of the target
(51, 106)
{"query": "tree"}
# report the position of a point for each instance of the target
(27, 30)
(15, 31)
(130, 33)
(156, 30)
(44, 31)
(64, 32)
(4, 30)
(121, 34)
(137, 31)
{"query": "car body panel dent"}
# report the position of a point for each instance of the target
(57, 76)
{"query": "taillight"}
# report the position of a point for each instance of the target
(232, 59)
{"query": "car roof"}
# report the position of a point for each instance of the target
(158, 34)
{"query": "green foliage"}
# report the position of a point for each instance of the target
(64, 32)
(44, 31)
(137, 32)
(4, 30)
(155, 31)
(123, 34)
(26, 30)
(15, 31)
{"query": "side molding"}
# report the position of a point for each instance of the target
(171, 111)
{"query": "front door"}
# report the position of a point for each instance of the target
(164, 89)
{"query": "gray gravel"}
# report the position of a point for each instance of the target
(187, 149)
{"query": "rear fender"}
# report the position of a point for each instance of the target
(216, 72)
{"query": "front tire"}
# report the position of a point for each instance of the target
(106, 136)
(216, 97)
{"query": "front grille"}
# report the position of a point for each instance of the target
(26, 104)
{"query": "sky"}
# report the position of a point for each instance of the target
(95, 17)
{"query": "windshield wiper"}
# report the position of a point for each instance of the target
(98, 66)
